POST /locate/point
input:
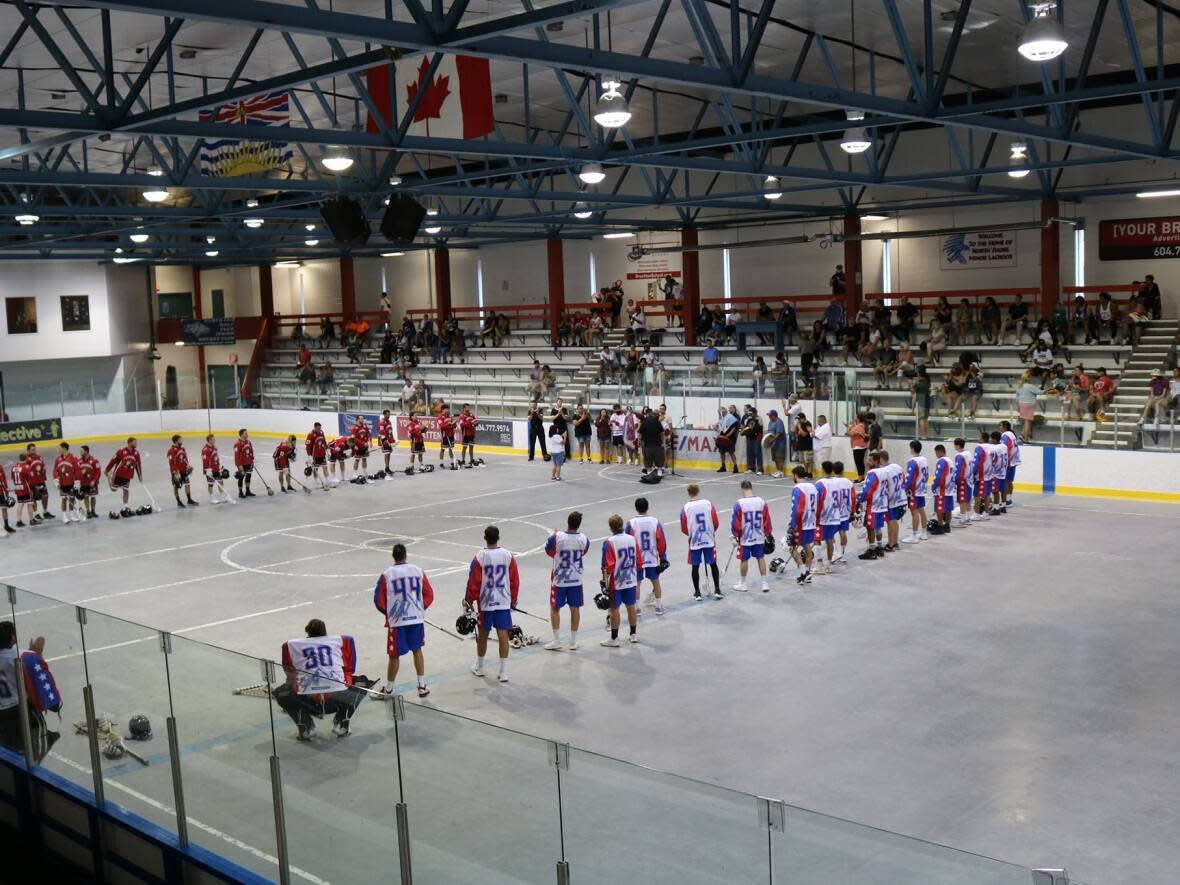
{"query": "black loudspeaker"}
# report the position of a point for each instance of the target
(402, 219)
(346, 220)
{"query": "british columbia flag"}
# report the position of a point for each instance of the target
(43, 693)
(228, 157)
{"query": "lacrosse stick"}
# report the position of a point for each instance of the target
(269, 491)
(113, 745)
(732, 551)
(151, 500)
(305, 489)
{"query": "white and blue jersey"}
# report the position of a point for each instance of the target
(943, 489)
(620, 567)
(699, 520)
(568, 550)
(895, 478)
(751, 521)
(803, 506)
(917, 479)
(845, 492)
(648, 533)
(320, 664)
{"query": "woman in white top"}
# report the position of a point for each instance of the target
(936, 343)
(821, 436)
(638, 319)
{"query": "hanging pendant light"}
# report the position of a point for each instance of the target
(582, 210)
(433, 228)
(336, 161)
(26, 219)
(612, 106)
(591, 173)
(771, 189)
(156, 194)
(1044, 39)
(1018, 163)
(139, 238)
(856, 140)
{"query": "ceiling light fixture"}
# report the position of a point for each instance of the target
(432, 230)
(1148, 195)
(770, 189)
(311, 242)
(210, 240)
(337, 161)
(872, 216)
(618, 235)
(252, 223)
(211, 253)
(27, 218)
(139, 238)
(856, 140)
(392, 254)
(251, 203)
(395, 180)
(309, 227)
(156, 194)
(155, 172)
(591, 173)
(1018, 162)
(1044, 39)
(612, 106)
(582, 210)
(287, 264)
(854, 115)
(123, 259)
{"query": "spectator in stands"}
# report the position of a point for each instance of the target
(674, 293)
(297, 331)
(838, 281)
(854, 334)
(1016, 321)
(868, 354)
(972, 389)
(858, 442)
(637, 318)
(888, 364)
(1077, 392)
(1026, 404)
(834, 317)
(536, 427)
(1105, 315)
(703, 322)
(1173, 392)
(710, 361)
(1042, 333)
(803, 442)
(751, 431)
(1157, 397)
(326, 378)
(788, 321)
(963, 322)
(1042, 356)
(907, 315)
(776, 441)
(1134, 320)
(606, 365)
(302, 358)
(502, 331)
(920, 390)
(1172, 360)
(936, 343)
(580, 322)
(989, 321)
(779, 373)
(548, 379)
(387, 309)
(1078, 320)
(327, 331)
(1101, 392)
(388, 346)
(306, 376)
(952, 390)
(442, 345)
(534, 384)
(409, 396)
(594, 330)
(353, 347)
(1059, 325)
(458, 339)
(488, 330)
(1055, 382)
(565, 329)
(735, 316)
(614, 298)
(1152, 297)
(759, 376)
(807, 349)
(764, 315)
(943, 313)
(430, 339)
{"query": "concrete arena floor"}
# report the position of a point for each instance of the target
(1007, 690)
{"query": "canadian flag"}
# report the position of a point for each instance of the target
(457, 100)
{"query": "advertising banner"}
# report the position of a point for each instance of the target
(993, 248)
(1137, 239)
(212, 331)
(488, 433)
(20, 432)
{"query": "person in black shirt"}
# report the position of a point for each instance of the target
(837, 281)
(537, 431)
(802, 442)
(1016, 320)
(651, 438)
(906, 314)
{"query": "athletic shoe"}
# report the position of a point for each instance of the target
(871, 553)
(840, 559)
(923, 535)
(696, 594)
(804, 578)
(306, 732)
(912, 539)
(735, 470)
(659, 608)
(765, 586)
(573, 646)
(9, 530)
(503, 677)
(740, 586)
(250, 495)
(823, 569)
(609, 643)
(477, 670)
(555, 645)
(1008, 502)
(891, 548)
(717, 594)
(721, 469)
(423, 691)
(36, 520)
(777, 474)
(180, 504)
(633, 638)
(341, 729)
(192, 503)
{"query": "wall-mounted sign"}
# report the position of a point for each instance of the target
(1136, 239)
(211, 331)
(993, 248)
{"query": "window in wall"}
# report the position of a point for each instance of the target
(176, 305)
(593, 274)
(479, 285)
(22, 315)
(886, 271)
(75, 313)
(1079, 257)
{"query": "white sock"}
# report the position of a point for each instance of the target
(421, 681)
(556, 634)
(389, 686)
(503, 666)
(479, 663)
(573, 637)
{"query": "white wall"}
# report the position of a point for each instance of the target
(47, 281)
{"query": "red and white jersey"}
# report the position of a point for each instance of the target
(620, 556)
(125, 463)
(446, 426)
(568, 550)
(20, 478)
(698, 520)
(403, 593)
(340, 446)
(827, 501)
(844, 492)
(3, 480)
(36, 465)
(917, 476)
(649, 535)
(998, 461)
(895, 476)
(618, 421)
(1009, 440)
(943, 478)
(468, 423)
(493, 581)
(320, 664)
(177, 459)
(282, 456)
(751, 521)
(89, 470)
(803, 502)
(243, 453)
(210, 458)
(630, 428)
(361, 435)
(65, 470)
(414, 429)
(384, 431)
(316, 445)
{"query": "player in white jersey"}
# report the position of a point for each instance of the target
(829, 515)
(917, 483)
(492, 586)
(801, 529)
(1000, 482)
(750, 526)
(319, 672)
(568, 551)
(980, 457)
(874, 503)
(942, 492)
(403, 593)
(620, 575)
(1012, 444)
(699, 520)
(653, 550)
(846, 492)
(895, 479)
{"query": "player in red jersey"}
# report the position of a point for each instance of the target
(65, 474)
(467, 426)
(316, 447)
(284, 456)
(124, 466)
(338, 458)
(417, 440)
(23, 492)
(211, 466)
(244, 463)
(38, 476)
(4, 499)
(89, 471)
(180, 470)
(361, 437)
(446, 430)
(385, 439)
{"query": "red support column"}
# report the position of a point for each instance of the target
(1050, 257)
(347, 287)
(201, 372)
(690, 284)
(266, 292)
(854, 286)
(556, 287)
(442, 283)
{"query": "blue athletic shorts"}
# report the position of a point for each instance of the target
(562, 596)
(750, 551)
(919, 501)
(948, 504)
(896, 513)
(878, 520)
(830, 532)
(982, 488)
(500, 619)
(558, 458)
(705, 556)
(405, 639)
(625, 596)
(845, 525)
(651, 572)
(1011, 474)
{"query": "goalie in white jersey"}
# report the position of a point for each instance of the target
(492, 585)
(319, 672)
(568, 550)
(403, 593)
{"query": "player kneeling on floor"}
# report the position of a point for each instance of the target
(620, 572)
(403, 593)
(568, 550)
(319, 672)
(493, 583)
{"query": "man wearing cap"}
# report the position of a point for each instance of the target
(1157, 397)
(837, 280)
(776, 441)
